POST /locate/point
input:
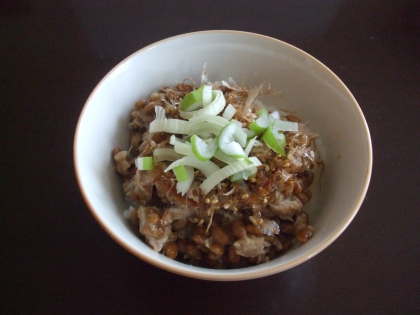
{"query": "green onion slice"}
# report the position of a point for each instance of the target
(182, 187)
(224, 158)
(285, 125)
(165, 154)
(227, 171)
(275, 140)
(226, 141)
(249, 146)
(176, 126)
(214, 108)
(202, 150)
(180, 146)
(261, 123)
(229, 112)
(206, 167)
(249, 133)
(275, 114)
(207, 95)
(208, 118)
(240, 136)
(144, 163)
(183, 148)
(205, 128)
(193, 100)
(180, 173)
(244, 174)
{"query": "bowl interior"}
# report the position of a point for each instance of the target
(309, 90)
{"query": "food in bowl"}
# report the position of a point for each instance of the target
(216, 180)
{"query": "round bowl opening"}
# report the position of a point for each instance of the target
(309, 89)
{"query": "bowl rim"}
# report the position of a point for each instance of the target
(231, 274)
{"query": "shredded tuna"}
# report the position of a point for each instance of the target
(151, 227)
(285, 206)
(269, 227)
(251, 246)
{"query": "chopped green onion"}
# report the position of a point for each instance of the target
(183, 148)
(249, 133)
(165, 154)
(201, 149)
(193, 100)
(180, 173)
(240, 136)
(224, 158)
(169, 125)
(254, 160)
(249, 146)
(182, 187)
(229, 112)
(205, 127)
(261, 123)
(223, 173)
(247, 172)
(226, 141)
(208, 118)
(244, 174)
(144, 163)
(214, 108)
(275, 140)
(207, 95)
(173, 139)
(258, 143)
(275, 114)
(206, 167)
(180, 146)
(285, 125)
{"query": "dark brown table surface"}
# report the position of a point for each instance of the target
(56, 259)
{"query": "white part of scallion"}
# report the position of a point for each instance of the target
(249, 146)
(193, 100)
(285, 125)
(274, 140)
(206, 167)
(176, 126)
(223, 173)
(207, 95)
(227, 143)
(180, 173)
(229, 112)
(144, 163)
(240, 136)
(182, 187)
(275, 114)
(224, 158)
(205, 128)
(181, 146)
(261, 123)
(202, 150)
(214, 108)
(249, 133)
(208, 118)
(165, 154)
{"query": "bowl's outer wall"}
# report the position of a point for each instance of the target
(309, 90)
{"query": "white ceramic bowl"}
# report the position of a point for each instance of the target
(309, 89)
